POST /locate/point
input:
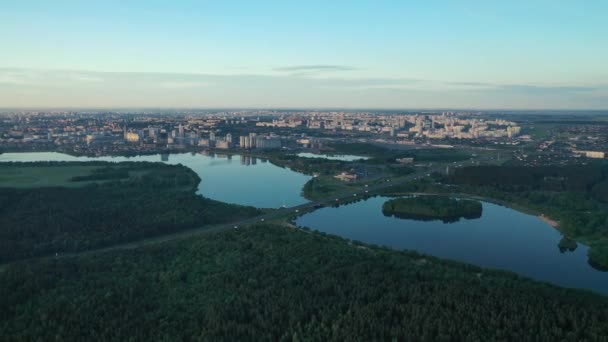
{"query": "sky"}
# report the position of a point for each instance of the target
(532, 54)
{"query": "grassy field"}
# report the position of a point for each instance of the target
(16, 176)
(74, 174)
(325, 186)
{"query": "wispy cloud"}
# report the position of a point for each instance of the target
(33, 77)
(524, 88)
(527, 88)
(315, 68)
(183, 84)
(19, 77)
(470, 84)
(27, 87)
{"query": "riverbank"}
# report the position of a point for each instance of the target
(553, 223)
(548, 221)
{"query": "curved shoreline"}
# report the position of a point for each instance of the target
(553, 223)
(548, 220)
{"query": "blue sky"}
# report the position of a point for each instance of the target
(382, 54)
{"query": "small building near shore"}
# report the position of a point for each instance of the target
(405, 161)
(346, 177)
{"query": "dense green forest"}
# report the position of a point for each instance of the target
(591, 179)
(309, 166)
(432, 208)
(381, 155)
(134, 201)
(274, 283)
(358, 149)
(574, 196)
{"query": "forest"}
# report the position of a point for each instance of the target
(133, 201)
(382, 155)
(273, 283)
(310, 166)
(589, 179)
(428, 208)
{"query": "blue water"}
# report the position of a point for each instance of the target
(232, 179)
(502, 238)
(342, 157)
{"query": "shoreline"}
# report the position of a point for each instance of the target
(551, 222)
(548, 220)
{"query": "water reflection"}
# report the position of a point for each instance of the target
(567, 245)
(247, 160)
(501, 238)
(263, 185)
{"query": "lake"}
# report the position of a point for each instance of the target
(502, 238)
(232, 179)
(342, 157)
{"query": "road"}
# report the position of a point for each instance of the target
(368, 191)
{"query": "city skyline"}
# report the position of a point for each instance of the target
(441, 54)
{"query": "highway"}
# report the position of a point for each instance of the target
(367, 191)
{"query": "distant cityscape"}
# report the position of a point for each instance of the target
(99, 133)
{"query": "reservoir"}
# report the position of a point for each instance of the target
(227, 178)
(502, 238)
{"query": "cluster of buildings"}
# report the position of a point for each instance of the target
(254, 141)
(99, 133)
(116, 132)
(436, 126)
(591, 154)
(181, 137)
(442, 127)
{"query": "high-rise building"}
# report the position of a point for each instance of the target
(245, 142)
(252, 140)
(267, 142)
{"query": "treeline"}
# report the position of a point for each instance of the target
(592, 179)
(278, 284)
(359, 149)
(332, 167)
(160, 199)
(310, 166)
(573, 195)
(102, 174)
(432, 208)
(381, 155)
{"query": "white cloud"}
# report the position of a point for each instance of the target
(25, 87)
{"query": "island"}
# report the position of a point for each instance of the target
(429, 208)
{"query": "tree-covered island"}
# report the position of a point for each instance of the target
(428, 208)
